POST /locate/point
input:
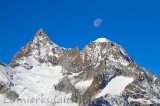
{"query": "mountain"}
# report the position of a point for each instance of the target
(102, 74)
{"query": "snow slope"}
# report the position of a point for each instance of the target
(3, 75)
(115, 86)
(38, 83)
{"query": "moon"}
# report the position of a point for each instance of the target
(97, 22)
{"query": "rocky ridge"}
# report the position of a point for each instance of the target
(97, 64)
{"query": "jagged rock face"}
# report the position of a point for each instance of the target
(95, 52)
(72, 61)
(98, 64)
(144, 86)
(41, 48)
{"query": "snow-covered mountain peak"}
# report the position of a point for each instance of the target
(101, 40)
(41, 38)
(40, 32)
(40, 47)
(104, 49)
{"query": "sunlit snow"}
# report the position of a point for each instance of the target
(115, 86)
(101, 40)
(38, 83)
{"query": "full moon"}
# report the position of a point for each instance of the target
(97, 22)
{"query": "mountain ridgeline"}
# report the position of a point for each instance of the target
(102, 74)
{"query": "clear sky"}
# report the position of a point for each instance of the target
(134, 24)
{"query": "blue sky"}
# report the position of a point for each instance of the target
(134, 24)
